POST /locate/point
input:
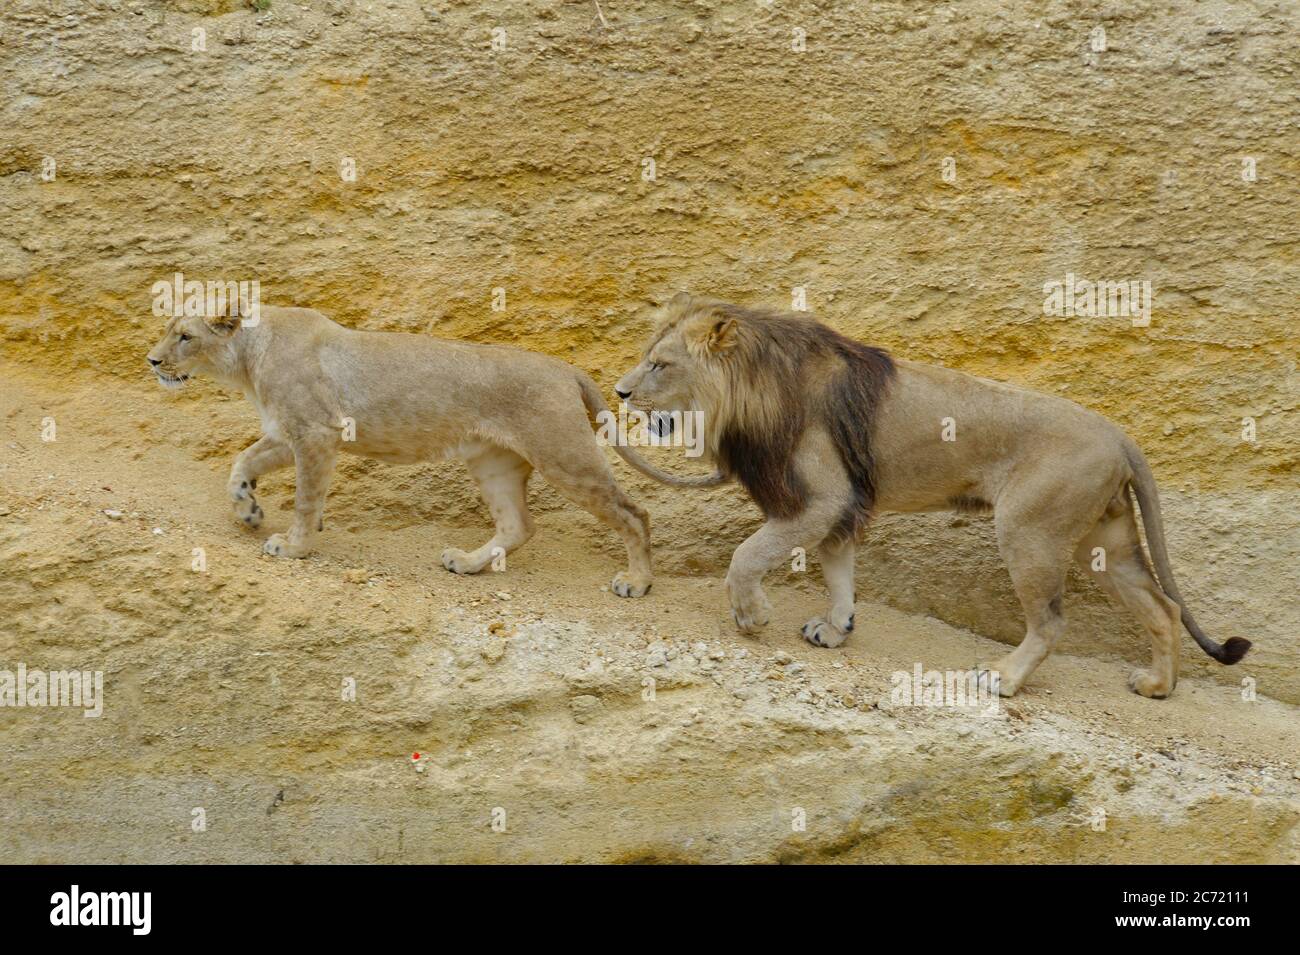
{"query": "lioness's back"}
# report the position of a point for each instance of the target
(411, 393)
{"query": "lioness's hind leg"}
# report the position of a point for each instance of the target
(502, 478)
(837, 568)
(1111, 554)
(584, 477)
(261, 457)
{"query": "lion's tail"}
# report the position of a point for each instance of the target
(595, 402)
(1144, 486)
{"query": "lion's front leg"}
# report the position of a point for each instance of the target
(761, 552)
(314, 464)
(837, 568)
(765, 549)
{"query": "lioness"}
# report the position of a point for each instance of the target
(320, 388)
(822, 430)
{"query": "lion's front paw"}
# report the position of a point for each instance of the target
(248, 511)
(1145, 683)
(626, 585)
(992, 678)
(277, 545)
(752, 613)
(821, 633)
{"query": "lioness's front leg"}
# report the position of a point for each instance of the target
(837, 568)
(314, 464)
(262, 456)
(766, 548)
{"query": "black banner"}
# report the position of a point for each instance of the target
(333, 904)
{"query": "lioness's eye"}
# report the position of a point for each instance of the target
(657, 366)
(185, 338)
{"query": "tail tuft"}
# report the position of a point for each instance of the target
(1233, 650)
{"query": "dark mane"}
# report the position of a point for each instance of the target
(810, 374)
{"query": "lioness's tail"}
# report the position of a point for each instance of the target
(1144, 486)
(595, 402)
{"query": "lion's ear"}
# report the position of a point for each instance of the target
(716, 333)
(222, 324)
(680, 300)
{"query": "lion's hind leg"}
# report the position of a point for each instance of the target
(502, 478)
(1040, 517)
(1037, 563)
(1111, 554)
(1037, 529)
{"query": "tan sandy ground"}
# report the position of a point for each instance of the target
(524, 691)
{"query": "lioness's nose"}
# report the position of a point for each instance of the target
(621, 393)
(155, 362)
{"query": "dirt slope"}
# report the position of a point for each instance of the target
(525, 692)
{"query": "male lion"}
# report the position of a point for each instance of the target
(821, 430)
(321, 388)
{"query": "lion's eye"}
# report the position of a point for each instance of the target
(657, 366)
(185, 338)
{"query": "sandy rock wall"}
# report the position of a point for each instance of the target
(523, 168)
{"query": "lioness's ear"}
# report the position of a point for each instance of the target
(680, 299)
(222, 324)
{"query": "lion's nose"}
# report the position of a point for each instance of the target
(155, 362)
(621, 393)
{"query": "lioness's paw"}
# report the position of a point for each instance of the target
(625, 585)
(277, 545)
(248, 511)
(1145, 683)
(459, 562)
(821, 633)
